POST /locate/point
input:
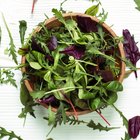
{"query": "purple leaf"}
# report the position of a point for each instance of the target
(76, 51)
(107, 75)
(131, 49)
(48, 100)
(49, 58)
(52, 44)
(134, 126)
(86, 24)
(36, 46)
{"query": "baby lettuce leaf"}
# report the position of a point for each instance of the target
(134, 126)
(11, 50)
(11, 135)
(22, 30)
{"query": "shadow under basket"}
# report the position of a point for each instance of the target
(53, 22)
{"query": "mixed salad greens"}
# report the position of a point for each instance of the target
(72, 67)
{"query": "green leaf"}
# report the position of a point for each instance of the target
(99, 127)
(4, 133)
(114, 86)
(125, 121)
(51, 116)
(11, 50)
(35, 65)
(93, 10)
(27, 101)
(58, 15)
(95, 103)
(127, 137)
(6, 76)
(112, 97)
(138, 4)
(37, 94)
(83, 94)
(24, 94)
(22, 30)
(0, 35)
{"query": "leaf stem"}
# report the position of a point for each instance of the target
(103, 117)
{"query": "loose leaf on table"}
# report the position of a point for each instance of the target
(0, 35)
(127, 137)
(99, 127)
(11, 50)
(134, 126)
(22, 30)
(138, 4)
(4, 133)
(26, 101)
(6, 76)
(131, 49)
(125, 121)
(93, 10)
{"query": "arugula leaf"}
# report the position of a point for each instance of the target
(0, 35)
(138, 4)
(11, 50)
(6, 76)
(11, 135)
(93, 10)
(99, 127)
(22, 30)
(125, 121)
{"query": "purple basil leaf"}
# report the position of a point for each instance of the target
(52, 44)
(131, 49)
(134, 126)
(48, 100)
(76, 51)
(107, 75)
(36, 46)
(86, 24)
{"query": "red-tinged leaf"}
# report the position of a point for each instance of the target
(86, 24)
(52, 44)
(134, 126)
(76, 51)
(131, 49)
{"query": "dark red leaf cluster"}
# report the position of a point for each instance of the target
(130, 47)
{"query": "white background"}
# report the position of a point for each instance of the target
(123, 15)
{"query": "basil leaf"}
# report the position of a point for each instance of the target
(22, 30)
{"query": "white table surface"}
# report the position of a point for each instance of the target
(123, 15)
